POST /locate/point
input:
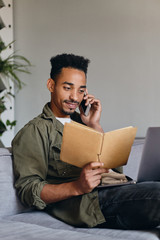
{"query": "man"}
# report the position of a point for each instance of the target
(65, 191)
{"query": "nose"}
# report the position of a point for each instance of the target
(74, 95)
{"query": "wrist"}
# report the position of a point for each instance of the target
(76, 188)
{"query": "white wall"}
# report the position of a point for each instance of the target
(122, 39)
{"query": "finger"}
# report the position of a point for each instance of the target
(99, 171)
(95, 101)
(96, 183)
(88, 96)
(93, 165)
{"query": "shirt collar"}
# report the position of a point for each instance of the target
(48, 114)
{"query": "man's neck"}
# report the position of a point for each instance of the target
(57, 113)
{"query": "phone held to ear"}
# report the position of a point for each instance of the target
(85, 108)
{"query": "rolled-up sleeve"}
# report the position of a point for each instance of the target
(30, 161)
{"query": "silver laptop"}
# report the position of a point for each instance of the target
(149, 168)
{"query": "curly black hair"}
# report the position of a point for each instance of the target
(67, 61)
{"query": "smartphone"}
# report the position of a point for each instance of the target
(85, 108)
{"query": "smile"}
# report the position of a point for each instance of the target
(71, 105)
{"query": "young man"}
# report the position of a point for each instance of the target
(65, 191)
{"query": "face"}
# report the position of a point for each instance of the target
(67, 92)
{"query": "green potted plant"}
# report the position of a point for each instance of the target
(9, 67)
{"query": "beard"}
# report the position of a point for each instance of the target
(68, 113)
(71, 110)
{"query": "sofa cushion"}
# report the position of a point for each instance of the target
(43, 219)
(18, 230)
(9, 203)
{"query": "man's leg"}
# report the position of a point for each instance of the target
(134, 206)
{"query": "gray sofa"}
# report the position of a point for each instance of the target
(18, 222)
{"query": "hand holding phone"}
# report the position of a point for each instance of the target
(91, 113)
(85, 108)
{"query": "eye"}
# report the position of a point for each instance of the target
(81, 90)
(67, 88)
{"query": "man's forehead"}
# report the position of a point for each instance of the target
(72, 77)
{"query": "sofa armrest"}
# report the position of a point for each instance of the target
(9, 201)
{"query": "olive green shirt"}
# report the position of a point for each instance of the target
(36, 154)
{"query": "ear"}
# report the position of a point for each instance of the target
(50, 84)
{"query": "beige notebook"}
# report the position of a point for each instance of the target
(82, 145)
